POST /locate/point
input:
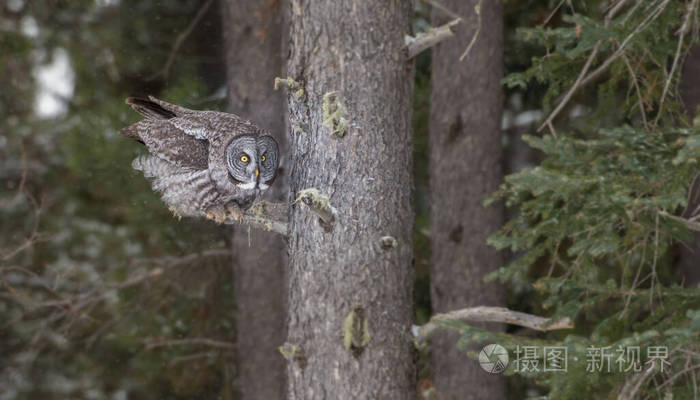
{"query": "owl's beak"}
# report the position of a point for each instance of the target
(257, 172)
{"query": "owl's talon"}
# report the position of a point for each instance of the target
(216, 216)
(234, 212)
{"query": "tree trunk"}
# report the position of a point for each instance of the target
(253, 33)
(350, 280)
(465, 167)
(690, 92)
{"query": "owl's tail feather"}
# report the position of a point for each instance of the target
(153, 108)
(133, 131)
(149, 108)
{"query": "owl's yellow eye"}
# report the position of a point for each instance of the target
(244, 158)
(262, 158)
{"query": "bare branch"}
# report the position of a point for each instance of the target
(320, 204)
(494, 314)
(573, 89)
(34, 237)
(264, 215)
(551, 14)
(613, 11)
(690, 223)
(429, 38)
(632, 385)
(153, 343)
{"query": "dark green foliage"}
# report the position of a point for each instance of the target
(91, 261)
(598, 220)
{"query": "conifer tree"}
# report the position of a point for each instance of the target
(597, 220)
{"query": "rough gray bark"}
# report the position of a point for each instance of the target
(254, 31)
(689, 262)
(350, 282)
(465, 167)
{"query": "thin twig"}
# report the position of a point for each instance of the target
(493, 314)
(650, 18)
(22, 180)
(632, 385)
(179, 40)
(33, 238)
(152, 343)
(549, 17)
(639, 92)
(444, 9)
(477, 10)
(653, 265)
(628, 297)
(613, 11)
(554, 259)
(689, 223)
(582, 81)
(675, 376)
(573, 88)
(683, 30)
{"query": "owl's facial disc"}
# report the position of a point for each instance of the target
(242, 162)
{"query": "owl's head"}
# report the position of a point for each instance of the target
(252, 161)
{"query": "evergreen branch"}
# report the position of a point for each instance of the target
(573, 89)
(581, 81)
(493, 314)
(623, 46)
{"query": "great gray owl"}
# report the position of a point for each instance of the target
(204, 163)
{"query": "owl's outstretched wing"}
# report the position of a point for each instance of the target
(169, 143)
(212, 126)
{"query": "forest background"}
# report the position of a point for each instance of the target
(104, 294)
